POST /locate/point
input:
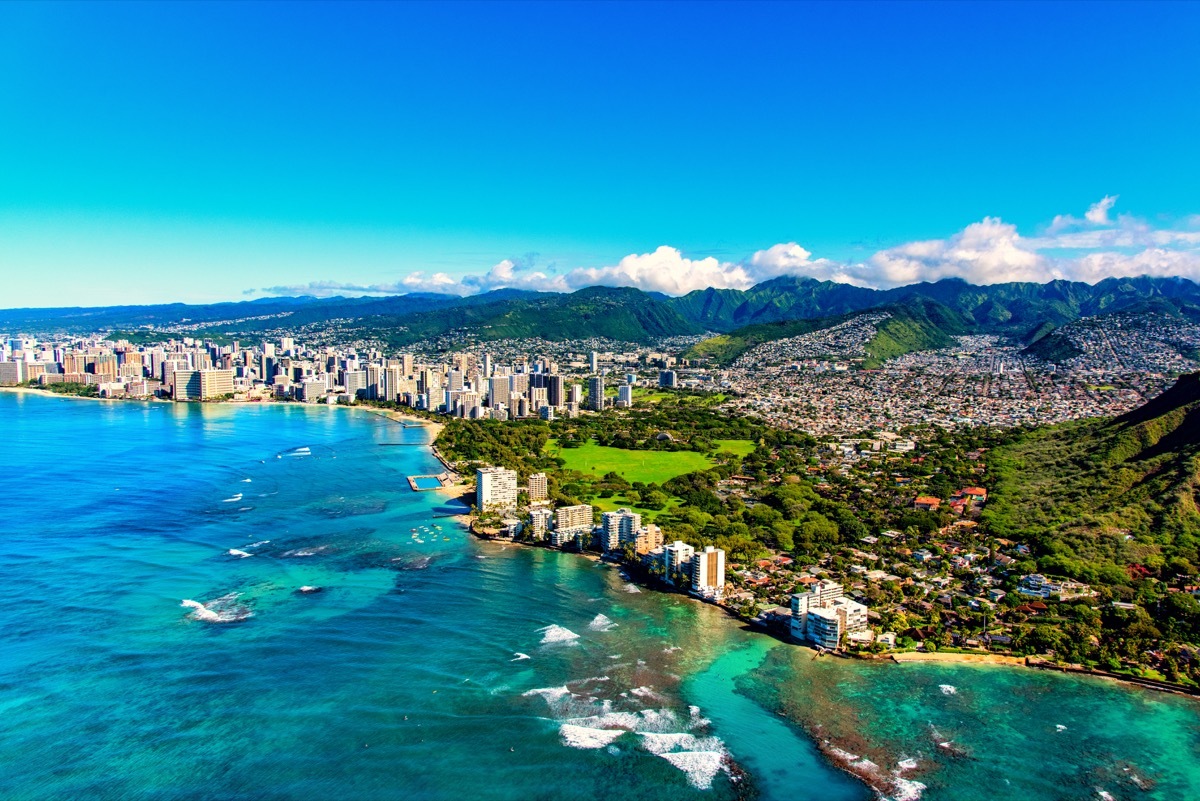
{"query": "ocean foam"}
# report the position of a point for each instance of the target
(549, 693)
(199, 611)
(948, 689)
(906, 789)
(257, 544)
(608, 720)
(557, 634)
(233, 499)
(602, 623)
(239, 554)
(1060, 727)
(841, 755)
(701, 767)
(659, 743)
(518, 656)
(301, 552)
(225, 609)
(584, 737)
(906, 764)
(659, 720)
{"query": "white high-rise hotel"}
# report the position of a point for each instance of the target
(620, 527)
(708, 573)
(822, 615)
(495, 489)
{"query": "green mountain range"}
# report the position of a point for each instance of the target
(912, 325)
(777, 308)
(1013, 308)
(624, 314)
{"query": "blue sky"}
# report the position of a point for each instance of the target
(161, 152)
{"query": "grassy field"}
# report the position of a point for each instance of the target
(655, 395)
(647, 395)
(618, 502)
(645, 466)
(741, 447)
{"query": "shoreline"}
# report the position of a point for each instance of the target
(45, 393)
(957, 658)
(455, 489)
(398, 417)
(894, 658)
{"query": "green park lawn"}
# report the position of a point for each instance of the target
(618, 502)
(739, 447)
(648, 467)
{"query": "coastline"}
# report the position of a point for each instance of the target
(966, 659)
(896, 658)
(402, 417)
(45, 393)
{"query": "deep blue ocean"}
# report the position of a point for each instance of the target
(430, 665)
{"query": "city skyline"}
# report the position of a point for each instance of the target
(206, 153)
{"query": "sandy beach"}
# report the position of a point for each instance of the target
(979, 659)
(45, 393)
(434, 427)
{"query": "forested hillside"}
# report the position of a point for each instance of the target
(1105, 500)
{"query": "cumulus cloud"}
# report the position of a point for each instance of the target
(665, 270)
(986, 252)
(1097, 213)
(791, 259)
(990, 251)
(1157, 262)
(510, 274)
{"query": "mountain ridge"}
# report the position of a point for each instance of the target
(1023, 310)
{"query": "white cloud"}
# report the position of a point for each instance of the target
(666, 270)
(509, 274)
(791, 259)
(1097, 213)
(986, 252)
(1157, 262)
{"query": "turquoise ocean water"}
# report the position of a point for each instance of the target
(432, 666)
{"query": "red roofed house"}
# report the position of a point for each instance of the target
(927, 503)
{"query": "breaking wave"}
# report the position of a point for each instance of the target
(701, 767)
(584, 737)
(225, 609)
(602, 623)
(557, 634)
